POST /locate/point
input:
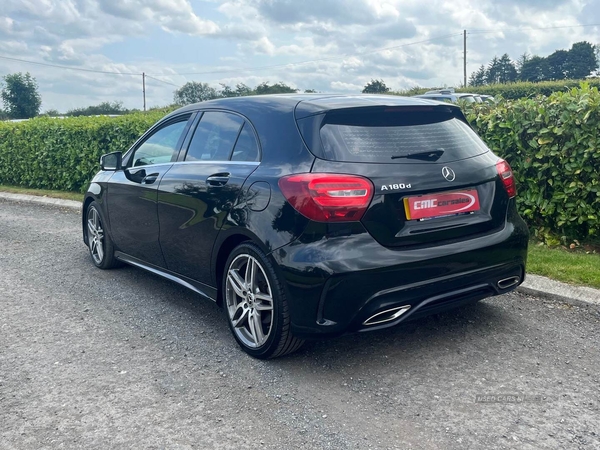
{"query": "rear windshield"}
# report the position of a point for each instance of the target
(467, 98)
(398, 137)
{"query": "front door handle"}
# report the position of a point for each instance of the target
(135, 175)
(149, 179)
(218, 179)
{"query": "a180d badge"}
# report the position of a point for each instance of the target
(395, 187)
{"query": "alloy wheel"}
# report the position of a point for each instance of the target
(249, 301)
(95, 235)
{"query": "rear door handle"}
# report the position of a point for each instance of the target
(218, 179)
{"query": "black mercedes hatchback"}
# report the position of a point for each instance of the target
(310, 216)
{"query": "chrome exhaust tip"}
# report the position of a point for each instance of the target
(508, 282)
(386, 315)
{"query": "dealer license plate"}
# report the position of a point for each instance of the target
(441, 204)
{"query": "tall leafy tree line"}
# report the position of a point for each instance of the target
(21, 99)
(577, 63)
(20, 96)
(194, 91)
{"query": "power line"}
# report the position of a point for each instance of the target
(333, 58)
(106, 72)
(496, 30)
(59, 66)
(162, 81)
(236, 70)
(81, 69)
(472, 31)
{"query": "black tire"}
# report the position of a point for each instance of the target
(279, 340)
(102, 251)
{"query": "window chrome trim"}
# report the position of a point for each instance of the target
(237, 163)
(136, 168)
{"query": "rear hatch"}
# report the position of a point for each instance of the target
(434, 179)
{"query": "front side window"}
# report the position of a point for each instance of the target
(214, 137)
(160, 147)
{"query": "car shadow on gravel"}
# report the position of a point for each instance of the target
(411, 341)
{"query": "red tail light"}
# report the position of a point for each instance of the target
(507, 177)
(326, 197)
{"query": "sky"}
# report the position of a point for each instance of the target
(327, 45)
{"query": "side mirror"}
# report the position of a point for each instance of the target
(111, 161)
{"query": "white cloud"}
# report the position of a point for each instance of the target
(175, 16)
(262, 45)
(342, 38)
(13, 47)
(352, 63)
(345, 87)
(6, 25)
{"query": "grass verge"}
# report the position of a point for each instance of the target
(42, 192)
(570, 266)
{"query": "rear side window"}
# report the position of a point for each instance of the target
(214, 137)
(398, 136)
(246, 147)
(467, 98)
(440, 99)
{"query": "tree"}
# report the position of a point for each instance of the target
(226, 91)
(241, 90)
(478, 78)
(277, 88)
(51, 113)
(194, 92)
(310, 91)
(523, 59)
(507, 70)
(534, 69)
(103, 108)
(581, 60)
(557, 65)
(492, 74)
(20, 96)
(375, 87)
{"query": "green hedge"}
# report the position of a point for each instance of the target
(514, 91)
(553, 145)
(63, 154)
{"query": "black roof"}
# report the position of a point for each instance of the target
(303, 104)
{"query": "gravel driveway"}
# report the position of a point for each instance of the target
(124, 359)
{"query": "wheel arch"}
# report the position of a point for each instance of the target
(220, 258)
(86, 203)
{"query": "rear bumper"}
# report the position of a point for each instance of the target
(439, 295)
(335, 284)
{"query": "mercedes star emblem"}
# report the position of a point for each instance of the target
(448, 173)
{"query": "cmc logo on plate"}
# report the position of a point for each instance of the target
(442, 204)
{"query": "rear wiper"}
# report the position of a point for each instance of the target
(432, 155)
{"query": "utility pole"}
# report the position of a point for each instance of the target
(465, 57)
(144, 87)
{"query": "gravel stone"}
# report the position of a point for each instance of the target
(125, 359)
